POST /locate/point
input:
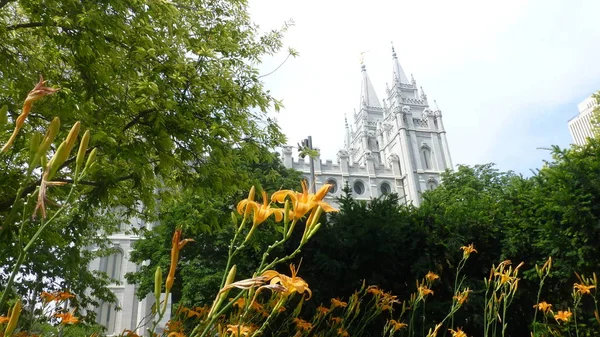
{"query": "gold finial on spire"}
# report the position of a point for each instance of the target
(362, 57)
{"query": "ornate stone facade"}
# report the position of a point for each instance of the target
(398, 145)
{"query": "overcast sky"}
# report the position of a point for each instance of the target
(507, 75)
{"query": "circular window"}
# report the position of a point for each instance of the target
(334, 187)
(385, 189)
(359, 187)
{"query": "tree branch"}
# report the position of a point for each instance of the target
(137, 118)
(25, 25)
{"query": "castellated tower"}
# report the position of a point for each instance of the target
(397, 145)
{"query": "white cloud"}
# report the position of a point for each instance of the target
(494, 68)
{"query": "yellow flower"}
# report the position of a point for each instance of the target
(563, 316)
(336, 302)
(397, 325)
(240, 330)
(176, 245)
(291, 284)
(462, 297)
(467, 250)
(375, 290)
(321, 310)
(431, 276)
(543, 307)
(504, 277)
(336, 320)
(458, 333)
(176, 334)
(261, 212)
(67, 318)
(424, 291)
(583, 289)
(304, 202)
(302, 324)
(343, 333)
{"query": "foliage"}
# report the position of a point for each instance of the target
(173, 97)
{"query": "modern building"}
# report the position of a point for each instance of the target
(580, 126)
(395, 145)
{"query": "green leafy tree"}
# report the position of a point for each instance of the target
(171, 93)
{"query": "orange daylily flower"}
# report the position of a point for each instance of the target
(431, 276)
(176, 334)
(240, 330)
(35, 94)
(304, 202)
(4, 319)
(336, 302)
(504, 277)
(457, 333)
(424, 291)
(375, 290)
(67, 318)
(336, 320)
(176, 245)
(291, 284)
(563, 316)
(583, 289)
(543, 307)
(321, 310)
(397, 325)
(342, 332)
(467, 250)
(302, 324)
(129, 333)
(47, 297)
(462, 297)
(261, 212)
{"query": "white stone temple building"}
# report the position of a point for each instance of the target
(580, 126)
(395, 145)
(132, 313)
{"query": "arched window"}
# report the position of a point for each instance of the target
(105, 315)
(334, 185)
(358, 187)
(431, 184)
(385, 188)
(426, 157)
(111, 265)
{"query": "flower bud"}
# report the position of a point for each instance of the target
(48, 139)
(82, 148)
(231, 275)
(157, 284)
(34, 144)
(91, 159)
(60, 156)
(72, 137)
(14, 319)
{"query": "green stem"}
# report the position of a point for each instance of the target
(23, 251)
(537, 301)
(215, 317)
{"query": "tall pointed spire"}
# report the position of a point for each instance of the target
(367, 92)
(399, 74)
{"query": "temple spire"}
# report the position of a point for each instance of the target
(399, 74)
(367, 92)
